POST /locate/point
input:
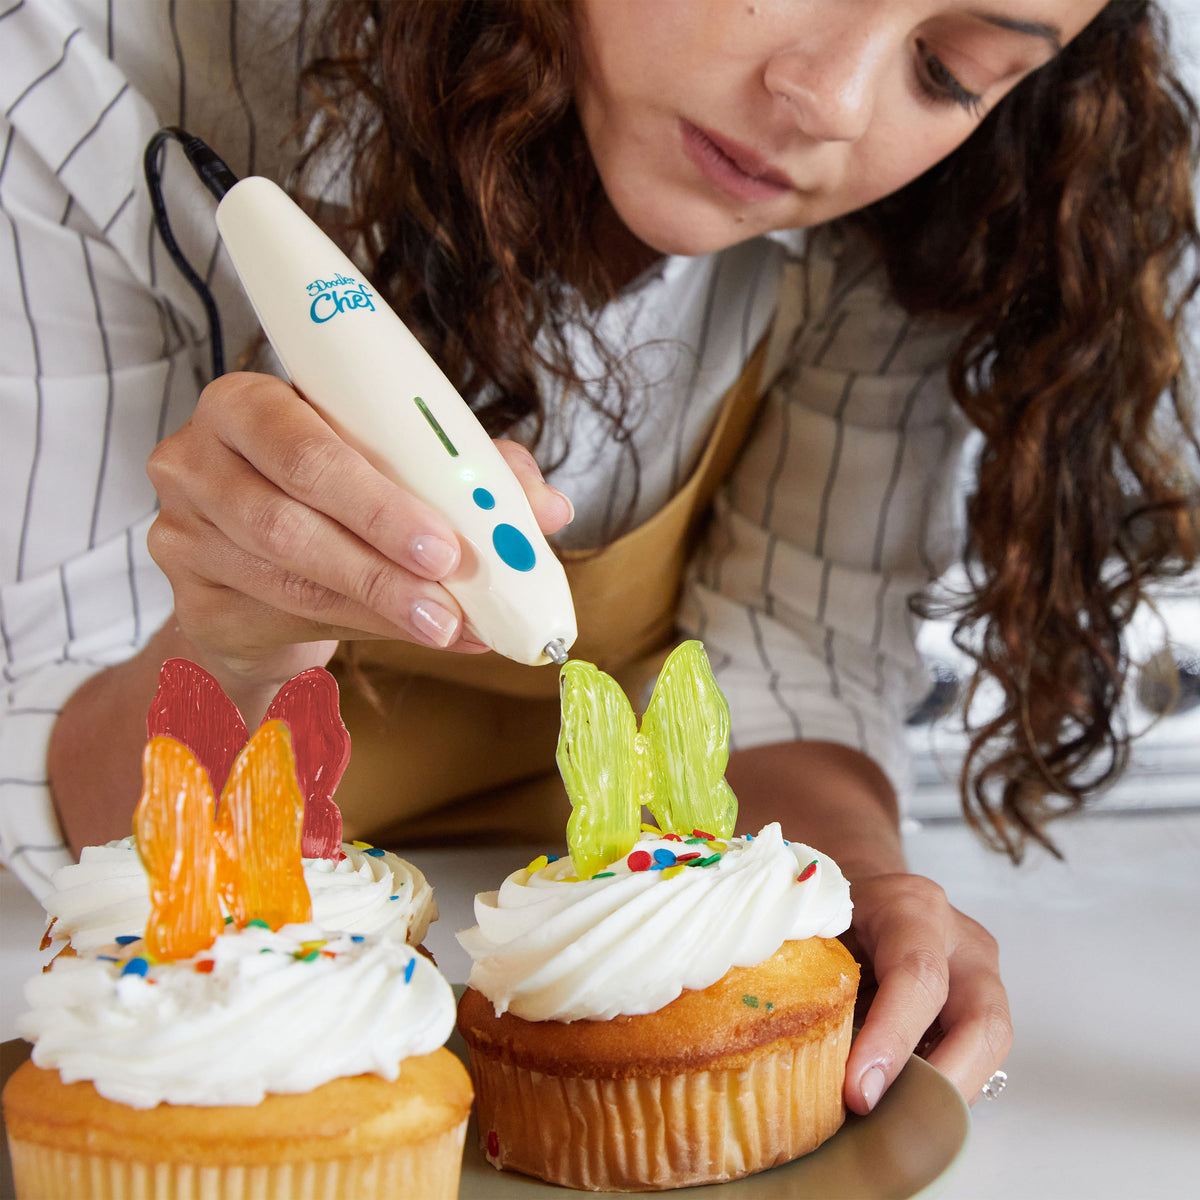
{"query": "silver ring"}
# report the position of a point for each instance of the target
(995, 1085)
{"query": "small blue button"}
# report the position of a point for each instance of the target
(513, 547)
(484, 498)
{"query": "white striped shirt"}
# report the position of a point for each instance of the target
(837, 512)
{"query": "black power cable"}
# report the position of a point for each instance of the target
(218, 178)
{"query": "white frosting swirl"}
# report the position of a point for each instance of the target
(106, 895)
(269, 1016)
(550, 947)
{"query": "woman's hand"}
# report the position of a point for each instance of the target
(280, 540)
(931, 977)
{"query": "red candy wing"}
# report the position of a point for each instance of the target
(308, 704)
(191, 707)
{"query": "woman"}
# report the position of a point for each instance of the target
(517, 174)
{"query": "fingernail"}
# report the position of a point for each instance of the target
(567, 502)
(433, 622)
(872, 1086)
(436, 555)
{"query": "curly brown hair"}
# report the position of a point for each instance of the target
(1069, 220)
(1062, 232)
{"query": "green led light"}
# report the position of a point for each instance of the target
(433, 424)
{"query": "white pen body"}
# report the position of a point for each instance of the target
(363, 370)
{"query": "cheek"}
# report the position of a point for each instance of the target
(897, 157)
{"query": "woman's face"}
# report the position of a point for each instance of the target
(712, 121)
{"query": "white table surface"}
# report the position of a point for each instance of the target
(1100, 957)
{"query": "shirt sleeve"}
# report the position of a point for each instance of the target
(841, 507)
(103, 345)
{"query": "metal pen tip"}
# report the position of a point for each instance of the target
(556, 651)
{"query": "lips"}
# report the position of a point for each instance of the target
(732, 167)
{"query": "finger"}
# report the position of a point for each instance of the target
(297, 557)
(304, 458)
(976, 1017)
(906, 943)
(552, 509)
(209, 571)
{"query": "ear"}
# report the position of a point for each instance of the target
(686, 733)
(173, 825)
(308, 705)
(257, 833)
(596, 752)
(191, 707)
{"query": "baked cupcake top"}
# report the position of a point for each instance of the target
(674, 913)
(258, 1011)
(365, 890)
(639, 913)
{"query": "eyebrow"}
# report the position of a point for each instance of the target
(1038, 29)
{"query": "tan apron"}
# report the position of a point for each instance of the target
(460, 748)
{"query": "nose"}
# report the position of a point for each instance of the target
(829, 85)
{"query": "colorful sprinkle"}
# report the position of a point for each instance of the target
(604, 875)
(537, 864)
(136, 966)
(684, 858)
(663, 858)
(205, 966)
(374, 852)
(699, 833)
(357, 937)
(672, 837)
(107, 958)
(651, 829)
(127, 939)
(705, 862)
(393, 896)
(408, 971)
(257, 923)
(808, 872)
(671, 872)
(639, 860)
(362, 845)
(493, 1144)
(750, 1001)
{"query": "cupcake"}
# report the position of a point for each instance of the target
(355, 887)
(238, 1048)
(667, 1006)
(362, 889)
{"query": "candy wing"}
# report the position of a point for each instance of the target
(596, 750)
(686, 734)
(258, 832)
(191, 707)
(173, 824)
(308, 704)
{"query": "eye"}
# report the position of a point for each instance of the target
(939, 83)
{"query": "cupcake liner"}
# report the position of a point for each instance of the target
(429, 1169)
(666, 1131)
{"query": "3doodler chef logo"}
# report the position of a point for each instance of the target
(337, 295)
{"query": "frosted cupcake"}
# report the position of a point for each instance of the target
(665, 1007)
(239, 1048)
(355, 887)
(364, 889)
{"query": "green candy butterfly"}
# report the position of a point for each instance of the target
(674, 765)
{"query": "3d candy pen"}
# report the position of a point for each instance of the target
(362, 369)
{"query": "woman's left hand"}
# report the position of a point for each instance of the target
(936, 979)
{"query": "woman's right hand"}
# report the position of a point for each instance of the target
(280, 540)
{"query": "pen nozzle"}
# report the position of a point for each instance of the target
(556, 651)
